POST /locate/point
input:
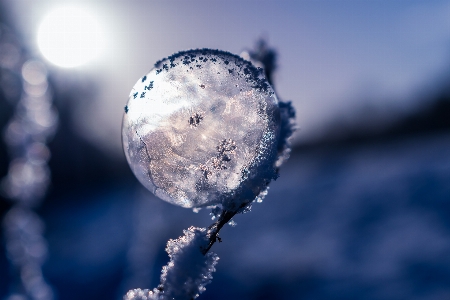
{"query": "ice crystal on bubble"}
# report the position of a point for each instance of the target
(202, 128)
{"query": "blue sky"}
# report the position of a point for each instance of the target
(335, 57)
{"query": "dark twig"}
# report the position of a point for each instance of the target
(213, 229)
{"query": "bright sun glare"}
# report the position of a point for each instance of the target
(70, 36)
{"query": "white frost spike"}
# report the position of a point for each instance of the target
(188, 270)
(202, 128)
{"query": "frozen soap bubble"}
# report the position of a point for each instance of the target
(201, 128)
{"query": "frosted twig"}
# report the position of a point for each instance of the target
(213, 229)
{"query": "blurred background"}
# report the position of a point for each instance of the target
(360, 211)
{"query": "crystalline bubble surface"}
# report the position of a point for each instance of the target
(201, 128)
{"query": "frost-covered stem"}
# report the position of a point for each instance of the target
(188, 271)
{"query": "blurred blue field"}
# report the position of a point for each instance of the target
(363, 221)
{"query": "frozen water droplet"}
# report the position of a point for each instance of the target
(199, 135)
(261, 196)
(232, 223)
(215, 212)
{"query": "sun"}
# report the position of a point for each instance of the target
(70, 36)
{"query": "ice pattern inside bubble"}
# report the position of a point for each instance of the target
(201, 129)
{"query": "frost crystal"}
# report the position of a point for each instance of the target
(188, 270)
(203, 128)
(138, 294)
